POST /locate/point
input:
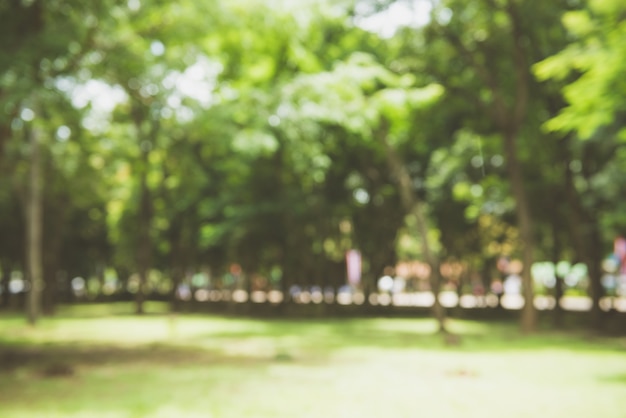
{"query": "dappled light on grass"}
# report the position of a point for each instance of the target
(191, 365)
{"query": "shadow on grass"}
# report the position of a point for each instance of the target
(98, 310)
(58, 360)
(209, 339)
(216, 365)
(421, 334)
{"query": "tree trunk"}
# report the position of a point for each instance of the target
(414, 206)
(143, 250)
(50, 286)
(5, 276)
(289, 245)
(558, 284)
(289, 265)
(147, 141)
(177, 279)
(176, 260)
(594, 271)
(34, 226)
(587, 243)
(529, 315)
(52, 242)
(122, 274)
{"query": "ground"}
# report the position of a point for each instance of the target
(100, 361)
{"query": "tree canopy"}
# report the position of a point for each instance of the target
(274, 136)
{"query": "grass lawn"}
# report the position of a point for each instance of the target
(100, 361)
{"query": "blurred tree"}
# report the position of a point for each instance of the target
(495, 43)
(41, 42)
(374, 104)
(150, 59)
(271, 134)
(591, 123)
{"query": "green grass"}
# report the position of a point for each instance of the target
(100, 361)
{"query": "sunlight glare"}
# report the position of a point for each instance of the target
(415, 13)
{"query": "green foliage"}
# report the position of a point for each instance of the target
(596, 58)
(259, 131)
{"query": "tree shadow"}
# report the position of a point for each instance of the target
(64, 360)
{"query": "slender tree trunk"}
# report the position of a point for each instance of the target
(144, 251)
(594, 266)
(432, 260)
(122, 274)
(176, 261)
(52, 243)
(4, 284)
(414, 206)
(529, 315)
(558, 284)
(177, 278)
(587, 243)
(50, 289)
(34, 227)
(290, 248)
(288, 225)
(101, 276)
(144, 245)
